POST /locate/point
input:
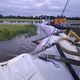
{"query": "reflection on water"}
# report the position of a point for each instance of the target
(18, 22)
(15, 46)
(6, 22)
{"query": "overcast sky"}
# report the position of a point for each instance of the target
(39, 7)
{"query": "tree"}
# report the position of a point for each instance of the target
(1, 16)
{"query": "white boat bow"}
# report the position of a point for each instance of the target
(30, 67)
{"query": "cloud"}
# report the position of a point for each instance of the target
(38, 7)
(39, 4)
(53, 7)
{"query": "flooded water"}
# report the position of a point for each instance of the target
(5, 22)
(14, 47)
(19, 22)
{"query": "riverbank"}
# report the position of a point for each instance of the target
(19, 45)
(9, 31)
(18, 20)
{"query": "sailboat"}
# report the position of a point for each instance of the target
(55, 58)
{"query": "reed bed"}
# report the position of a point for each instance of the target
(9, 31)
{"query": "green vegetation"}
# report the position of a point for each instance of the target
(73, 21)
(19, 20)
(8, 31)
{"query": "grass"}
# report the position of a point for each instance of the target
(28, 20)
(9, 31)
(19, 20)
(73, 21)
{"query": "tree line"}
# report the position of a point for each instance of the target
(38, 17)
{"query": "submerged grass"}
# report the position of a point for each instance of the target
(8, 31)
